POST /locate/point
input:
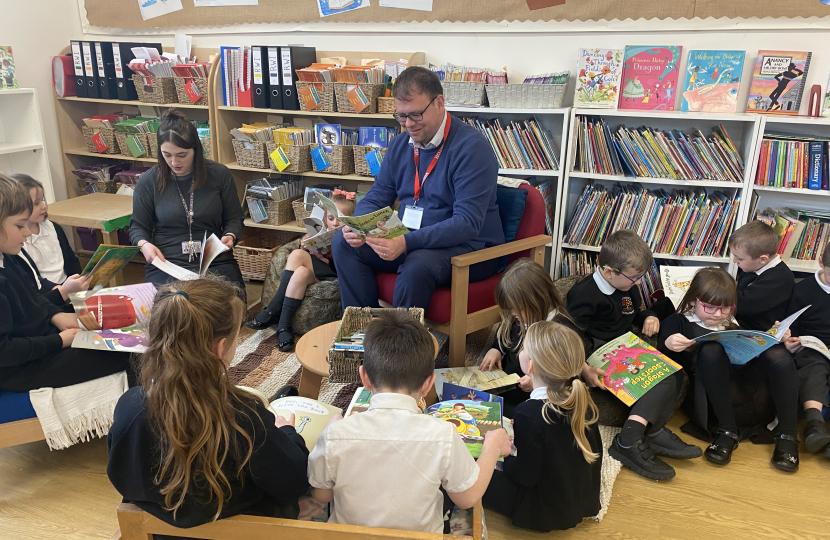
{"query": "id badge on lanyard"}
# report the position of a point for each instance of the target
(414, 214)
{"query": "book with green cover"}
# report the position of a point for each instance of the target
(107, 261)
(134, 145)
(631, 367)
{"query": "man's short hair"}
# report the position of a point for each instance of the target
(417, 80)
(625, 249)
(756, 238)
(398, 352)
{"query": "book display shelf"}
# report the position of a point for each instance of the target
(21, 137)
(782, 198)
(742, 128)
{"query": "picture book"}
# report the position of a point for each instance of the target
(713, 80)
(453, 391)
(778, 82)
(676, 281)
(472, 419)
(741, 346)
(811, 342)
(8, 78)
(631, 367)
(494, 382)
(383, 223)
(598, 78)
(114, 319)
(374, 136)
(328, 135)
(359, 403)
(319, 237)
(649, 77)
(107, 261)
(825, 109)
(211, 248)
(310, 416)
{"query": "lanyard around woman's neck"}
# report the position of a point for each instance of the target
(189, 214)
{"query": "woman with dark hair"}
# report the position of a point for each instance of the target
(182, 198)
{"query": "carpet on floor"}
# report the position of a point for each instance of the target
(259, 364)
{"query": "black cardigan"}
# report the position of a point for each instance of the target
(275, 478)
(605, 316)
(510, 355)
(764, 299)
(557, 488)
(47, 288)
(71, 264)
(816, 320)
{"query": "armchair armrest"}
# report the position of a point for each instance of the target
(474, 257)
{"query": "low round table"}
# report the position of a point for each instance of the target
(313, 350)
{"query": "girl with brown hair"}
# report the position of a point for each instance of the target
(189, 447)
(553, 481)
(744, 398)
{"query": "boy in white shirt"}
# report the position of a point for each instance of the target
(384, 467)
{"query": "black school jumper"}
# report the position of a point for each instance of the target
(813, 368)
(763, 299)
(548, 485)
(43, 286)
(742, 399)
(31, 351)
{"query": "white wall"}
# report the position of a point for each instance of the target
(37, 30)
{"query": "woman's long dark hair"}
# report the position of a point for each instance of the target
(175, 128)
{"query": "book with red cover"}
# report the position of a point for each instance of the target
(649, 77)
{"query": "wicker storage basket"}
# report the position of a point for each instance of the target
(109, 137)
(386, 105)
(327, 101)
(298, 156)
(464, 93)
(251, 154)
(361, 167)
(201, 85)
(372, 92)
(102, 187)
(343, 364)
(341, 158)
(279, 212)
(153, 144)
(121, 137)
(256, 248)
(300, 213)
(526, 96)
(161, 90)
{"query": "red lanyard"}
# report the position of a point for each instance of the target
(418, 182)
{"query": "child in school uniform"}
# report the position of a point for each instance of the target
(607, 305)
(302, 269)
(734, 394)
(188, 446)
(553, 482)
(525, 294)
(384, 467)
(812, 367)
(35, 335)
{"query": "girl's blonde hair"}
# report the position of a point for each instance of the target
(14, 199)
(192, 406)
(558, 355)
(712, 286)
(526, 288)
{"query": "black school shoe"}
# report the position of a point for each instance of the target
(667, 444)
(640, 458)
(264, 320)
(816, 436)
(785, 459)
(286, 339)
(720, 451)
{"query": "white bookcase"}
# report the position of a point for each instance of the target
(779, 198)
(555, 122)
(21, 137)
(742, 128)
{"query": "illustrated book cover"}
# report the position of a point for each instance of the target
(676, 281)
(114, 319)
(778, 82)
(598, 78)
(8, 78)
(453, 391)
(107, 261)
(649, 77)
(472, 419)
(493, 382)
(713, 81)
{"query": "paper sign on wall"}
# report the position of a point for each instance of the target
(150, 9)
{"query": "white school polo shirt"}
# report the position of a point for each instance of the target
(385, 466)
(45, 250)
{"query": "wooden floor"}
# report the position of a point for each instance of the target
(66, 495)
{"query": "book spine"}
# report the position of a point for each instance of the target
(814, 180)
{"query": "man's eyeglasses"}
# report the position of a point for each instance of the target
(415, 116)
(631, 279)
(709, 309)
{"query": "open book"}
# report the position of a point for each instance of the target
(494, 382)
(310, 417)
(107, 261)
(676, 281)
(816, 344)
(211, 248)
(319, 237)
(114, 319)
(472, 419)
(383, 223)
(631, 367)
(741, 346)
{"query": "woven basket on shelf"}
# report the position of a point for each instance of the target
(109, 137)
(372, 92)
(255, 249)
(526, 96)
(341, 158)
(121, 137)
(326, 92)
(251, 154)
(102, 187)
(161, 90)
(279, 212)
(299, 158)
(201, 85)
(464, 93)
(300, 213)
(361, 167)
(343, 365)
(153, 144)
(386, 105)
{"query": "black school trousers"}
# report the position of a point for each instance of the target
(65, 368)
(813, 371)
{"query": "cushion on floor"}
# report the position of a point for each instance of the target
(15, 406)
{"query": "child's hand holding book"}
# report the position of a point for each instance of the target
(499, 440)
(678, 342)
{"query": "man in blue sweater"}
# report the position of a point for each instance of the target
(444, 175)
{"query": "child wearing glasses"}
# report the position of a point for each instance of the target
(607, 305)
(743, 399)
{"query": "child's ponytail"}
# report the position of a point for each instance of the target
(558, 355)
